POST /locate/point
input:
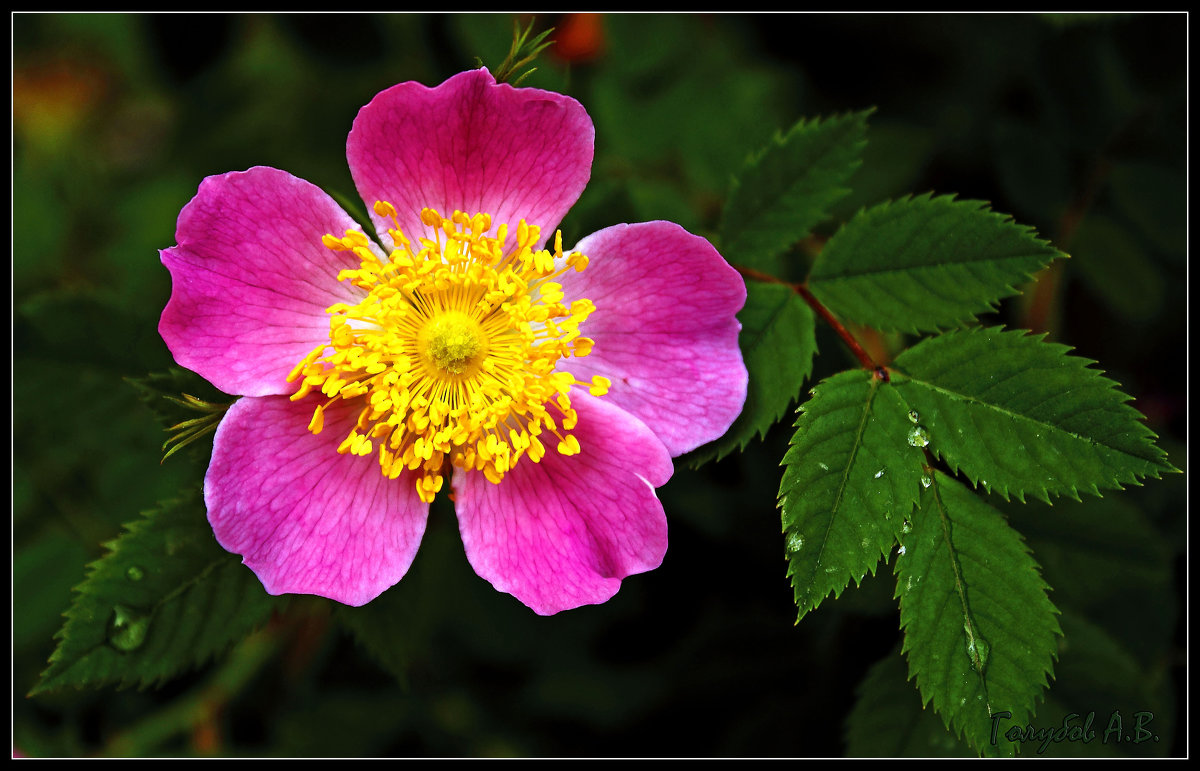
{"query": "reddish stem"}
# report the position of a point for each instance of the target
(855, 347)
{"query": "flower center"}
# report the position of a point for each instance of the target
(453, 350)
(452, 342)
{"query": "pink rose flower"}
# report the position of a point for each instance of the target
(553, 387)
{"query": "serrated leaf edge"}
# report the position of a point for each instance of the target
(872, 569)
(1084, 364)
(760, 432)
(779, 140)
(112, 547)
(815, 279)
(1046, 674)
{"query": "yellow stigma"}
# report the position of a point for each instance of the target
(452, 342)
(453, 351)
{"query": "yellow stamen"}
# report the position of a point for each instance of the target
(453, 352)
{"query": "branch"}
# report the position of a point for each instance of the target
(801, 289)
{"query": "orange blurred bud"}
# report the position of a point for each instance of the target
(579, 37)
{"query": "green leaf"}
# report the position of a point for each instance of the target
(893, 163)
(889, 721)
(441, 599)
(979, 631)
(1155, 198)
(656, 109)
(1095, 678)
(164, 599)
(787, 188)
(1106, 559)
(325, 722)
(923, 264)
(397, 626)
(385, 627)
(851, 477)
(778, 342)
(1019, 416)
(1117, 269)
(43, 572)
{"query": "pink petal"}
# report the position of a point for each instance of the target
(665, 329)
(251, 279)
(564, 532)
(305, 519)
(474, 145)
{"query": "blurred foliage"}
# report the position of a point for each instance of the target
(1074, 124)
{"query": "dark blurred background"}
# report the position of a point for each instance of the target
(1075, 124)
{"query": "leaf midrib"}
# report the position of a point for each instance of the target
(1022, 417)
(749, 221)
(960, 589)
(862, 427)
(880, 271)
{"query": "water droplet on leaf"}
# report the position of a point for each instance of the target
(977, 650)
(918, 437)
(879, 473)
(926, 482)
(795, 542)
(127, 628)
(135, 573)
(900, 551)
(913, 416)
